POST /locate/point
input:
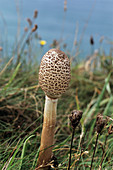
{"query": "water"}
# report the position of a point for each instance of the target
(88, 16)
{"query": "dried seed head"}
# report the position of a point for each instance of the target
(75, 117)
(54, 73)
(65, 5)
(1, 48)
(34, 28)
(29, 21)
(100, 123)
(55, 44)
(35, 13)
(91, 40)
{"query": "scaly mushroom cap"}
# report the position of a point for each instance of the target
(54, 73)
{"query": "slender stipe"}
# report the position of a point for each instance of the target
(73, 132)
(94, 151)
(75, 117)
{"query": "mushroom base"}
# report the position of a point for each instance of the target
(47, 138)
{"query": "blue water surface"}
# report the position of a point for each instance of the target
(86, 17)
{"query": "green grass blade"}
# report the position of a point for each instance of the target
(97, 104)
(14, 155)
(12, 77)
(23, 151)
(108, 106)
(35, 160)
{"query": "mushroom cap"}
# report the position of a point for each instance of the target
(54, 73)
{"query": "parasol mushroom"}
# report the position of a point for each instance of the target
(54, 78)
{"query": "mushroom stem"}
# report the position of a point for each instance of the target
(47, 138)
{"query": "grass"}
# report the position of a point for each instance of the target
(21, 115)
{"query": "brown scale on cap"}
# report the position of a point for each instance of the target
(54, 73)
